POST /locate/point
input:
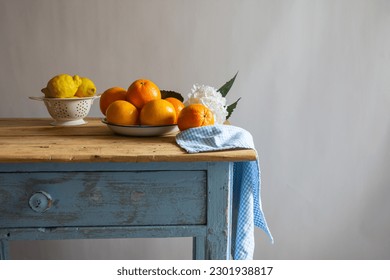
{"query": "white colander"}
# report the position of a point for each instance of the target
(67, 111)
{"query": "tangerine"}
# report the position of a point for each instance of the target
(111, 95)
(122, 112)
(158, 112)
(195, 115)
(141, 92)
(177, 104)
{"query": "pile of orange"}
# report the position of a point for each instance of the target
(141, 104)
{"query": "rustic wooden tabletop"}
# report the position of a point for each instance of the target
(35, 140)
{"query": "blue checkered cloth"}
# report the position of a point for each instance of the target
(247, 210)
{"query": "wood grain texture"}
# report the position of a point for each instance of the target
(35, 140)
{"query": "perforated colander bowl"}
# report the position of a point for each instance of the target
(67, 111)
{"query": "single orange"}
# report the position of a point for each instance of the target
(141, 92)
(111, 95)
(177, 104)
(195, 115)
(122, 112)
(158, 112)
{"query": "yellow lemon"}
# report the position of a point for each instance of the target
(62, 86)
(86, 89)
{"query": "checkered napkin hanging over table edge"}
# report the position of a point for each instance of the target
(247, 209)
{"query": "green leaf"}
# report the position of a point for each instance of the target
(226, 87)
(170, 93)
(231, 108)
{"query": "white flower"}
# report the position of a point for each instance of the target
(211, 98)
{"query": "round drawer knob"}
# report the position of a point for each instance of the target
(40, 201)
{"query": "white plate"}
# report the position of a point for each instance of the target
(141, 130)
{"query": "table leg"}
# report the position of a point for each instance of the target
(198, 248)
(4, 249)
(219, 208)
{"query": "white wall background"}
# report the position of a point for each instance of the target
(315, 85)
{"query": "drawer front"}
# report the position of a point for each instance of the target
(52, 199)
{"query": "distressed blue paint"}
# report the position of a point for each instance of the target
(219, 217)
(199, 248)
(105, 198)
(120, 200)
(101, 232)
(4, 249)
(100, 166)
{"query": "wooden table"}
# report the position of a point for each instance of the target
(86, 182)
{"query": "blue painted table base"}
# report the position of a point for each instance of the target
(118, 200)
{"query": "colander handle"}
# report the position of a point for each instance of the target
(36, 98)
